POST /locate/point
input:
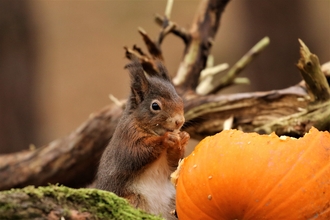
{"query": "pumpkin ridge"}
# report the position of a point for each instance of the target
(318, 175)
(214, 198)
(264, 200)
(215, 201)
(325, 168)
(208, 150)
(193, 203)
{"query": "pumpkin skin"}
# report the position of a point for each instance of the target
(236, 175)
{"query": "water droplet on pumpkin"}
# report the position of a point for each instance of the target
(195, 166)
(210, 177)
(209, 197)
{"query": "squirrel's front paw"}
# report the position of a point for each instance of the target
(175, 151)
(171, 139)
(184, 138)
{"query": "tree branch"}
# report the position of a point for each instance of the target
(178, 31)
(214, 83)
(153, 47)
(202, 32)
(206, 115)
(71, 160)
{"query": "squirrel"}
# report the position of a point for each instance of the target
(147, 143)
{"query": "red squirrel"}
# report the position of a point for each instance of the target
(147, 143)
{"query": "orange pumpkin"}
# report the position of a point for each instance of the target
(236, 175)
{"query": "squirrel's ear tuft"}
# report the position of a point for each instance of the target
(162, 71)
(139, 82)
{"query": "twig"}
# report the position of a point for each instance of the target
(178, 31)
(168, 9)
(168, 27)
(218, 82)
(310, 69)
(211, 71)
(117, 102)
(153, 48)
(241, 80)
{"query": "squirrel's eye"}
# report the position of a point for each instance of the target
(155, 105)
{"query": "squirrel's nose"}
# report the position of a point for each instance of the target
(179, 120)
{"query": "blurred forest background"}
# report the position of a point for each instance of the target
(60, 59)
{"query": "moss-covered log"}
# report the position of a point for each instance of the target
(60, 202)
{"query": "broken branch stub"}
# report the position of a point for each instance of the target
(310, 69)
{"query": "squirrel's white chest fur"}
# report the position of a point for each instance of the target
(156, 188)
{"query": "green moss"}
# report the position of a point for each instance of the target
(102, 204)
